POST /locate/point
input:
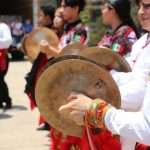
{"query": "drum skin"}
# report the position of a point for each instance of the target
(74, 74)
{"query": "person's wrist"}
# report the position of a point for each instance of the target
(96, 113)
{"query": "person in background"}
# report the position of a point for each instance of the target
(17, 30)
(58, 22)
(122, 31)
(46, 16)
(27, 26)
(5, 42)
(74, 29)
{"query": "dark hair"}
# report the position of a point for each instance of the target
(48, 11)
(137, 1)
(123, 9)
(74, 3)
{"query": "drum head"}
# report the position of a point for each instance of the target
(103, 56)
(106, 57)
(67, 75)
(32, 41)
(73, 49)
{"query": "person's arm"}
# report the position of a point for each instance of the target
(49, 49)
(132, 93)
(133, 125)
(98, 114)
(132, 87)
(5, 36)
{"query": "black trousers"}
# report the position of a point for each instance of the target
(4, 93)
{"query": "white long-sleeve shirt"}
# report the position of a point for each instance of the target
(132, 88)
(132, 85)
(5, 36)
(131, 125)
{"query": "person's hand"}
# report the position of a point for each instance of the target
(43, 45)
(77, 107)
(85, 111)
(48, 49)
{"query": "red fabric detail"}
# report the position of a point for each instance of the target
(142, 147)
(108, 40)
(55, 139)
(82, 40)
(122, 50)
(102, 141)
(62, 44)
(128, 31)
(3, 60)
(32, 102)
(60, 143)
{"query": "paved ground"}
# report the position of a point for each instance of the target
(18, 125)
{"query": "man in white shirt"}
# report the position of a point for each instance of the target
(17, 30)
(5, 36)
(5, 42)
(133, 126)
